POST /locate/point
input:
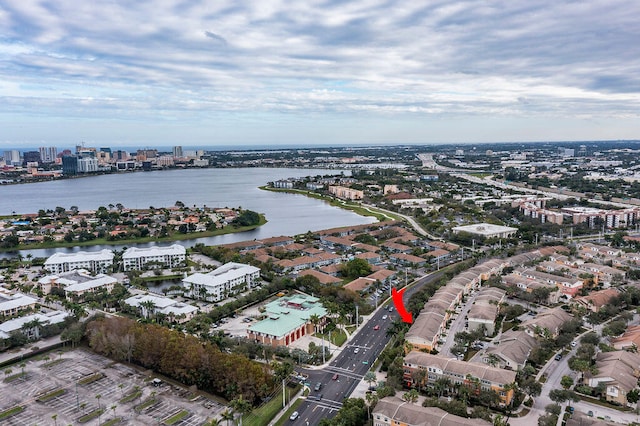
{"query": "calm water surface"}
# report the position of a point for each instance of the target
(288, 214)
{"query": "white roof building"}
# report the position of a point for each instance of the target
(169, 257)
(16, 303)
(53, 317)
(77, 282)
(228, 279)
(164, 305)
(486, 230)
(96, 262)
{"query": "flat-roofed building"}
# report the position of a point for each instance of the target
(486, 230)
(288, 319)
(30, 325)
(229, 279)
(151, 304)
(77, 282)
(98, 262)
(16, 303)
(156, 257)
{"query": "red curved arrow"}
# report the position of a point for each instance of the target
(397, 300)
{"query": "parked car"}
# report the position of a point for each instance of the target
(558, 357)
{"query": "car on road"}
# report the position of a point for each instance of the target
(335, 377)
(294, 415)
(356, 350)
(384, 317)
(317, 386)
(376, 327)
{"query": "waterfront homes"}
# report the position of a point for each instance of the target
(619, 371)
(15, 304)
(151, 304)
(392, 411)
(77, 283)
(230, 278)
(476, 376)
(154, 257)
(97, 262)
(288, 319)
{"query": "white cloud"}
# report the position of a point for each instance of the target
(188, 61)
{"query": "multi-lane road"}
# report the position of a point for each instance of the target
(341, 376)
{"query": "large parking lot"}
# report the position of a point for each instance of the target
(70, 385)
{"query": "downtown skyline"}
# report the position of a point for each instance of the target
(164, 73)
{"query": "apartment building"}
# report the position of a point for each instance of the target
(476, 376)
(151, 304)
(154, 257)
(230, 278)
(393, 411)
(96, 262)
(16, 303)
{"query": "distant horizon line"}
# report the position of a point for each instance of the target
(270, 147)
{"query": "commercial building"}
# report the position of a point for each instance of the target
(486, 230)
(97, 262)
(229, 279)
(288, 319)
(154, 257)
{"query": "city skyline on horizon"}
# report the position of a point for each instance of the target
(320, 73)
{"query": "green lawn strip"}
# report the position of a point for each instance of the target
(146, 404)
(285, 416)
(130, 397)
(50, 395)
(112, 422)
(13, 377)
(54, 362)
(176, 418)
(92, 415)
(90, 379)
(10, 412)
(263, 414)
(338, 337)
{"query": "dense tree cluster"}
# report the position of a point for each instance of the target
(181, 357)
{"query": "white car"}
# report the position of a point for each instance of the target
(574, 344)
(294, 415)
(384, 317)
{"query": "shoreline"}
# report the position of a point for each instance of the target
(104, 241)
(355, 207)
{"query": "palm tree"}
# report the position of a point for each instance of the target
(227, 415)
(55, 419)
(213, 422)
(147, 308)
(370, 377)
(22, 366)
(241, 406)
(411, 396)
(315, 320)
(98, 396)
(113, 408)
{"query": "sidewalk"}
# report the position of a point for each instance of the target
(16, 355)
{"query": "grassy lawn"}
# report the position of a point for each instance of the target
(262, 415)
(285, 416)
(14, 377)
(10, 412)
(54, 362)
(112, 422)
(146, 404)
(90, 416)
(176, 417)
(90, 379)
(46, 397)
(338, 337)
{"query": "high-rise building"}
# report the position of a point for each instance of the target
(177, 152)
(30, 157)
(87, 165)
(12, 158)
(48, 154)
(69, 165)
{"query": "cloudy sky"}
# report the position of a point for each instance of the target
(217, 72)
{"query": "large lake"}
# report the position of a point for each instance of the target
(288, 214)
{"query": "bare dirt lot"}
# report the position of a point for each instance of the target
(72, 387)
